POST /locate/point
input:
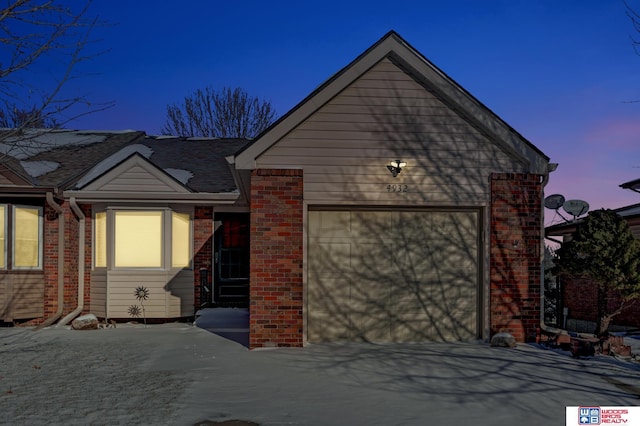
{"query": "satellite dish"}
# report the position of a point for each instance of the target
(576, 207)
(554, 202)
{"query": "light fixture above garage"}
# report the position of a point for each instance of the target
(395, 167)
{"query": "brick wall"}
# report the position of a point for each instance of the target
(50, 261)
(71, 259)
(202, 246)
(276, 258)
(88, 255)
(581, 297)
(516, 219)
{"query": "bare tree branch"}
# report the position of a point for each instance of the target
(32, 32)
(224, 114)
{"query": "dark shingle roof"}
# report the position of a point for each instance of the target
(76, 153)
(204, 158)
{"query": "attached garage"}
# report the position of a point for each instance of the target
(392, 206)
(393, 276)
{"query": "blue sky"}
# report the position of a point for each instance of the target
(561, 72)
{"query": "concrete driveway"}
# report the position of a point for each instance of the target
(417, 384)
(178, 374)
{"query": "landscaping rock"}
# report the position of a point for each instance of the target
(503, 340)
(85, 322)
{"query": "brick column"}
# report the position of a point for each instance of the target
(50, 261)
(202, 247)
(276, 258)
(516, 220)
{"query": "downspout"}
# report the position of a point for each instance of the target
(60, 211)
(543, 326)
(81, 218)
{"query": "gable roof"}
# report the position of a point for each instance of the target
(47, 158)
(70, 160)
(396, 49)
(198, 164)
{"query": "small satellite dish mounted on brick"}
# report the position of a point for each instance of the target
(554, 202)
(575, 208)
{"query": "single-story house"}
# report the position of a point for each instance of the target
(577, 298)
(389, 205)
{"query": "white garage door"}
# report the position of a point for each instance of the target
(392, 276)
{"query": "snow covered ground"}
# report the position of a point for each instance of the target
(178, 374)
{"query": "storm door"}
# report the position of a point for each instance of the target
(231, 257)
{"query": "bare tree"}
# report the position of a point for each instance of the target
(635, 20)
(32, 32)
(229, 113)
(19, 118)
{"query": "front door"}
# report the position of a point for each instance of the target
(231, 257)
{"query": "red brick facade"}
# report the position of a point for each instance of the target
(515, 271)
(276, 258)
(202, 247)
(580, 296)
(71, 259)
(50, 261)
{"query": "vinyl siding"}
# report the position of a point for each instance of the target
(136, 179)
(98, 305)
(345, 146)
(171, 293)
(21, 296)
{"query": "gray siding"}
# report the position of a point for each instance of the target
(21, 296)
(136, 179)
(171, 293)
(98, 305)
(345, 146)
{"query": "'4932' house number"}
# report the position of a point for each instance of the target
(397, 188)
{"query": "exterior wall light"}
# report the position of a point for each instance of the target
(395, 167)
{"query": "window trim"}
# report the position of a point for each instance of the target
(166, 238)
(10, 222)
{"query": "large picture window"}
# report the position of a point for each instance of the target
(20, 237)
(138, 239)
(142, 239)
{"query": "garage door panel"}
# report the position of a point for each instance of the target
(369, 260)
(330, 224)
(370, 226)
(373, 326)
(412, 328)
(329, 327)
(412, 276)
(330, 259)
(329, 294)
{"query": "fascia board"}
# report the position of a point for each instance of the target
(246, 159)
(189, 197)
(395, 47)
(136, 160)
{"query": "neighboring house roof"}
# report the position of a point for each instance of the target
(633, 185)
(630, 213)
(71, 160)
(47, 158)
(396, 49)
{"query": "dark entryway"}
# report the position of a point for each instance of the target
(231, 260)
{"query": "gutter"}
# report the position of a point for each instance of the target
(81, 217)
(61, 229)
(544, 327)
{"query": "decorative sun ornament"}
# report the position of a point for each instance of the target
(141, 293)
(134, 311)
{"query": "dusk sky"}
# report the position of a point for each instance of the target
(563, 73)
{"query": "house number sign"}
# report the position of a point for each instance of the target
(397, 188)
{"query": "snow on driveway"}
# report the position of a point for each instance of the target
(178, 374)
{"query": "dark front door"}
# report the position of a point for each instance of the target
(231, 279)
